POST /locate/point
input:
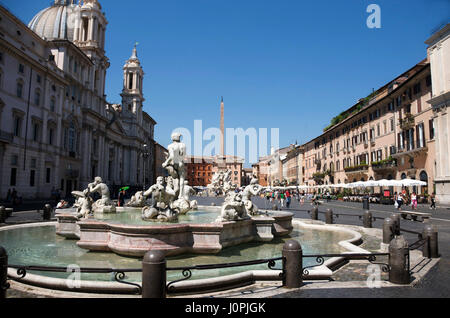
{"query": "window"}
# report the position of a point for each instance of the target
(50, 136)
(48, 175)
(52, 104)
(13, 179)
(408, 109)
(17, 126)
(1, 57)
(37, 97)
(392, 124)
(420, 135)
(38, 78)
(21, 68)
(417, 88)
(32, 178)
(19, 90)
(14, 160)
(36, 128)
(431, 123)
(391, 106)
(428, 81)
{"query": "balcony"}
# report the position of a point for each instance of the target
(409, 150)
(363, 168)
(384, 165)
(6, 137)
(408, 122)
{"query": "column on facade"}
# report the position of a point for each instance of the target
(86, 150)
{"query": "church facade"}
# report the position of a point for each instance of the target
(57, 130)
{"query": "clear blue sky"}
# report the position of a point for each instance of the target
(285, 64)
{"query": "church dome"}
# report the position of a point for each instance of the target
(56, 22)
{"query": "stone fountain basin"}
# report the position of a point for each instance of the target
(173, 239)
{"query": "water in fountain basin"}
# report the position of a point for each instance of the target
(41, 246)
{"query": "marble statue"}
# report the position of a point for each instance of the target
(233, 209)
(254, 189)
(175, 163)
(188, 191)
(104, 204)
(161, 198)
(170, 196)
(84, 203)
(221, 183)
(137, 200)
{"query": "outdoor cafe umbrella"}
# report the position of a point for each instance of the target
(412, 183)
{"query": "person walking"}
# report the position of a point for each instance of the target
(414, 201)
(288, 199)
(121, 198)
(433, 201)
(398, 201)
(282, 197)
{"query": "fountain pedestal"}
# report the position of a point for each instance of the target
(173, 239)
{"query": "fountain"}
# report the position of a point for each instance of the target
(171, 222)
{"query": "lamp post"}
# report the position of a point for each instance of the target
(145, 155)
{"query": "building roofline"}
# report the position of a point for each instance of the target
(422, 64)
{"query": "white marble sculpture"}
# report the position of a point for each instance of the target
(221, 183)
(104, 204)
(84, 203)
(137, 200)
(254, 189)
(233, 209)
(170, 197)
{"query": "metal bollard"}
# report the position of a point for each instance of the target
(2, 214)
(3, 272)
(47, 215)
(388, 230)
(366, 204)
(399, 261)
(293, 264)
(367, 219)
(315, 213)
(154, 275)
(430, 248)
(396, 218)
(329, 216)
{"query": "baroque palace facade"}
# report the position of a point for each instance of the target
(399, 131)
(56, 128)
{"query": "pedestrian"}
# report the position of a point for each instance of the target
(288, 199)
(433, 201)
(414, 201)
(398, 201)
(8, 196)
(282, 197)
(121, 198)
(14, 197)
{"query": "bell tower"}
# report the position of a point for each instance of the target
(132, 95)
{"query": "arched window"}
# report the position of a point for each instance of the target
(403, 176)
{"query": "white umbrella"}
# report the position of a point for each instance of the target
(359, 184)
(412, 183)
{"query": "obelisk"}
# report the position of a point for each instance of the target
(222, 128)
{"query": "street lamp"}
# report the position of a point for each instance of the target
(145, 155)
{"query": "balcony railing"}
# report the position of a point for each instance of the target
(356, 169)
(384, 164)
(408, 122)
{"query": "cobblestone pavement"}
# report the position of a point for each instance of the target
(435, 284)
